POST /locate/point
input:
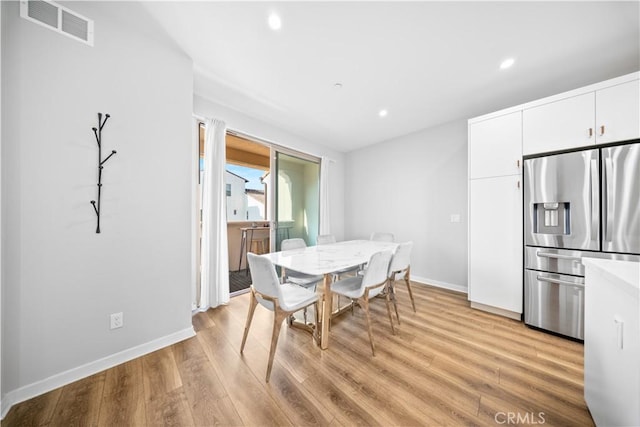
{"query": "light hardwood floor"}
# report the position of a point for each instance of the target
(447, 365)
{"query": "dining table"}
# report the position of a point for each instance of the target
(325, 260)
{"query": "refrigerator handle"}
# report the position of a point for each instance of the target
(594, 204)
(608, 207)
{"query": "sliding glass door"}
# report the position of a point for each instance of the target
(296, 199)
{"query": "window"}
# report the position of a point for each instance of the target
(228, 190)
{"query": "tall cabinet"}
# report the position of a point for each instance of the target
(495, 214)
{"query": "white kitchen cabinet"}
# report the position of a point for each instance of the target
(612, 342)
(497, 141)
(563, 124)
(495, 244)
(618, 113)
(597, 116)
(495, 147)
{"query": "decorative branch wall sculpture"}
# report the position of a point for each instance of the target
(98, 133)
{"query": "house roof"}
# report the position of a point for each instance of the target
(245, 179)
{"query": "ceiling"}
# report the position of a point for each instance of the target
(427, 63)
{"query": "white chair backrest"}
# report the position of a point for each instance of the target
(264, 279)
(382, 237)
(376, 272)
(401, 258)
(289, 244)
(325, 239)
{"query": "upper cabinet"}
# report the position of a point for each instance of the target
(495, 147)
(618, 113)
(592, 115)
(559, 125)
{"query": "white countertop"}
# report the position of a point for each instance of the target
(625, 274)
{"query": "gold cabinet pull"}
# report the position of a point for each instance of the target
(601, 130)
(590, 132)
(518, 164)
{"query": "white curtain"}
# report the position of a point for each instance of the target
(214, 278)
(325, 222)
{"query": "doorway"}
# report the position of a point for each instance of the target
(272, 194)
(248, 220)
(297, 196)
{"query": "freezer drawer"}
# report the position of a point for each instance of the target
(554, 302)
(565, 261)
(554, 260)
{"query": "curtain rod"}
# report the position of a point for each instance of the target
(197, 117)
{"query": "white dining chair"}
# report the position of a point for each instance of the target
(382, 237)
(300, 279)
(363, 288)
(296, 277)
(325, 239)
(401, 263)
(283, 299)
(377, 237)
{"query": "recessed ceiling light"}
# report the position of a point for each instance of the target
(382, 113)
(507, 63)
(274, 21)
(338, 85)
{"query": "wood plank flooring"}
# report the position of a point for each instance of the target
(447, 365)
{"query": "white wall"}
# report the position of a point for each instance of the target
(255, 208)
(256, 128)
(1, 269)
(410, 186)
(237, 202)
(61, 280)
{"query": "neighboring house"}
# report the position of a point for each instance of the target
(255, 204)
(236, 198)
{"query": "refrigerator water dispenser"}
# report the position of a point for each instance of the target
(552, 218)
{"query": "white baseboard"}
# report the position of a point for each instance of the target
(75, 374)
(495, 310)
(439, 284)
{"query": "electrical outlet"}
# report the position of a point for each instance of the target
(455, 217)
(117, 321)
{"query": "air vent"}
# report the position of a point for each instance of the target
(58, 18)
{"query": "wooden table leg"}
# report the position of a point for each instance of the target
(243, 242)
(326, 311)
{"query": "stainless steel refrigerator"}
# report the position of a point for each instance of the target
(576, 204)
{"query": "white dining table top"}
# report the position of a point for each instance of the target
(325, 259)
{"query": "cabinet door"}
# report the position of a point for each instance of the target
(568, 123)
(611, 350)
(495, 146)
(618, 113)
(495, 242)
